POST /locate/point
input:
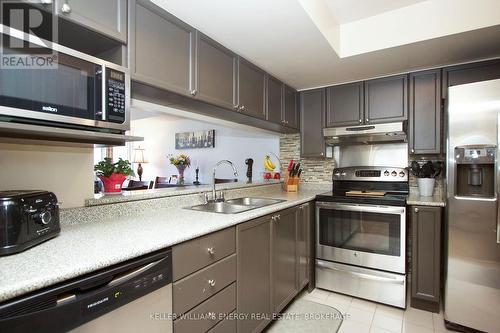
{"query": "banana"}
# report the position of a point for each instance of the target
(271, 164)
(268, 164)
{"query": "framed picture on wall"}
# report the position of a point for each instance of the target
(198, 139)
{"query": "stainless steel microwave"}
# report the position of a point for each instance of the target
(77, 91)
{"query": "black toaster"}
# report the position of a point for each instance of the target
(27, 218)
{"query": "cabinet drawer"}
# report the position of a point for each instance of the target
(209, 313)
(225, 326)
(193, 255)
(194, 289)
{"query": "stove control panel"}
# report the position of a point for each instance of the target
(387, 174)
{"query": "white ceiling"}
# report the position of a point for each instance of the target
(346, 11)
(280, 37)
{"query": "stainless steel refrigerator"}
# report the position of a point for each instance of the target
(472, 290)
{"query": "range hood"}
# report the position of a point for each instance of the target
(365, 134)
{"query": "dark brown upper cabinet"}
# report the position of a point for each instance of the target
(424, 135)
(469, 73)
(106, 17)
(290, 112)
(426, 257)
(345, 105)
(312, 119)
(274, 100)
(251, 89)
(216, 73)
(386, 99)
(152, 58)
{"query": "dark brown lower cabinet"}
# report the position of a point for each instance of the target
(273, 265)
(253, 242)
(303, 245)
(426, 257)
(284, 258)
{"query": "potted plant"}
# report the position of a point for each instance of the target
(112, 174)
(181, 162)
(426, 176)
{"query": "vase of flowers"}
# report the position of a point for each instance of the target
(112, 174)
(181, 162)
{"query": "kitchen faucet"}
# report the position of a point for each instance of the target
(214, 193)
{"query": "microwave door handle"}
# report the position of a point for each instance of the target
(104, 92)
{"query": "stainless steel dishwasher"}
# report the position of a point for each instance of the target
(135, 296)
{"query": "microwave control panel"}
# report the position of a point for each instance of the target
(115, 96)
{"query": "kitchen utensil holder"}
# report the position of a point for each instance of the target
(291, 184)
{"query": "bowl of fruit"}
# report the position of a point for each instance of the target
(269, 168)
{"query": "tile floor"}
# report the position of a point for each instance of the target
(367, 317)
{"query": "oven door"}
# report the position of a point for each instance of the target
(362, 235)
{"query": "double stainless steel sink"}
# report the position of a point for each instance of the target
(234, 206)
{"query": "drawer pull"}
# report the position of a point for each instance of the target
(211, 251)
(211, 283)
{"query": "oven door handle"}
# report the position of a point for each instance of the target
(322, 265)
(361, 208)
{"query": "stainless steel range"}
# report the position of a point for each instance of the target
(361, 234)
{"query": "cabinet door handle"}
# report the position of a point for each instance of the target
(412, 151)
(236, 107)
(66, 9)
(367, 120)
(211, 251)
(211, 283)
(416, 210)
(193, 92)
(360, 121)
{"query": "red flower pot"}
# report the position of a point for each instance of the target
(113, 183)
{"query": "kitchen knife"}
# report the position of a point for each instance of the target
(298, 174)
(297, 168)
(290, 165)
(292, 170)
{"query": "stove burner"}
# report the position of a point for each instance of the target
(369, 185)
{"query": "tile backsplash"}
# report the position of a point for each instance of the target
(315, 170)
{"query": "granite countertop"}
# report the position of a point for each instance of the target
(436, 200)
(100, 199)
(82, 248)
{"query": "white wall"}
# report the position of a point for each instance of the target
(233, 144)
(66, 171)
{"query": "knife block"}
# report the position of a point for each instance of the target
(291, 184)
